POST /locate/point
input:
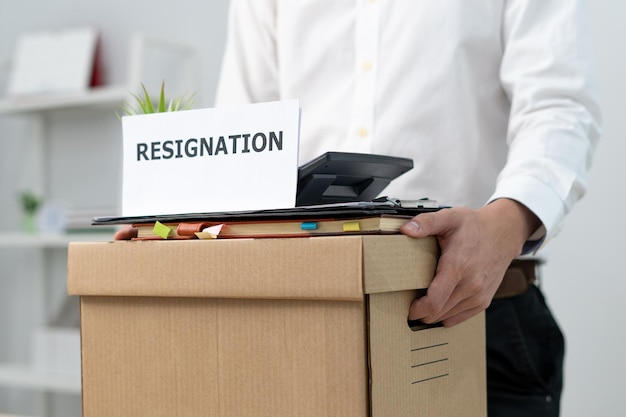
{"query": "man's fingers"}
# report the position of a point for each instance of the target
(448, 298)
(452, 313)
(126, 233)
(458, 306)
(429, 224)
(435, 303)
(461, 317)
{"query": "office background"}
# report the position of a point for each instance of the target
(582, 278)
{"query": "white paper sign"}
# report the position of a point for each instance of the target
(219, 159)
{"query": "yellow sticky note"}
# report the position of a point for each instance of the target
(351, 227)
(161, 230)
(210, 232)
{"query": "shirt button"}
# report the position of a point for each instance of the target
(363, 132)
(367, 65)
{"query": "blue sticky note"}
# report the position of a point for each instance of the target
(308, 226)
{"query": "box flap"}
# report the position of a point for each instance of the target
(336, 267)
(398, 262)
(301, 268)
(441, 369)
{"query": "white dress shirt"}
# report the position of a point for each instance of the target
(490, 98)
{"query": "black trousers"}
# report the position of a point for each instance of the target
(525, 351)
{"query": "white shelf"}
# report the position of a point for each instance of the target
(10, 415)
(37, 240)
(26, 377)
(96, 97)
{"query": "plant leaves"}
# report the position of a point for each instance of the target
(162, 98)
(145, 105)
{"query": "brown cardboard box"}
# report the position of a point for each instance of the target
(269, 327)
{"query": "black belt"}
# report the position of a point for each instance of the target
(518, 278)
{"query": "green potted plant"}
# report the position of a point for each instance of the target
(30, 204)
(145, 104)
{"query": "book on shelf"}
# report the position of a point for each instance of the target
(375, 224)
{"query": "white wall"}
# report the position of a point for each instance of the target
(583, 278)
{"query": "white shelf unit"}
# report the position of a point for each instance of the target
(31, 376)
(25, 376)
(39, 109)
(42, 241)
(96, 97)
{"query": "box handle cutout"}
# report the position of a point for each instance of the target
(417, 325)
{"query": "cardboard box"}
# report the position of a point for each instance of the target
(269, 327)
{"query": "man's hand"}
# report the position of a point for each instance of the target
(477, 247)
(126, 233)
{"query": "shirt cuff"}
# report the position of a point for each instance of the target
(538, 198)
